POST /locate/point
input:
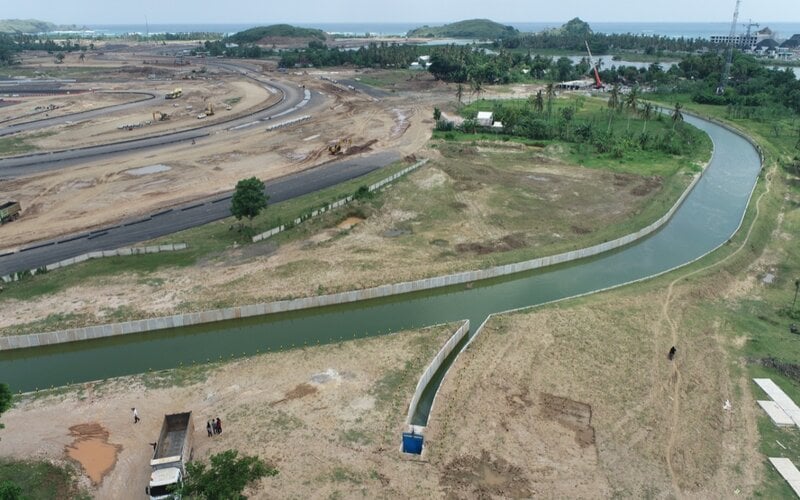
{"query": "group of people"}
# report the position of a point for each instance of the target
(214, 426)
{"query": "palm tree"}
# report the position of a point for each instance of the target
(459, 93)
(677, 116)
(647, 113)
(538, 104)
(551, 93)
(477, 87)
(613, 99)
(632, 101)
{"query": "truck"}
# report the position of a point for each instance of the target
(9, 211)
(172, 452)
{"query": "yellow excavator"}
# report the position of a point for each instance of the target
(340, 147)
(158, 116)
(209, 109)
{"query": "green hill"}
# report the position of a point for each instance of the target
(33, 26)
(276, 31)
(480, 29)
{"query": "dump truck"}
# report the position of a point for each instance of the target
(173, 451)
(9, 211)
(174, 94)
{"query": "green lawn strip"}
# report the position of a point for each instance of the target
(203, 242)
(387, 79)
(41, 480)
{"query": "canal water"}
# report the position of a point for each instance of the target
(708, 217)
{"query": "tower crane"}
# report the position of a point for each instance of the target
(726, 71)
(749, 25)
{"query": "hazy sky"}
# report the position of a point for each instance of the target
(309, 11)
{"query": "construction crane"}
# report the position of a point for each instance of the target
(726, 71)
(598, 84)
(749, 25)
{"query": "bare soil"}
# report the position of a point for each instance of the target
(580, 401)
(466, 209)
(329, 418)
(100, 192)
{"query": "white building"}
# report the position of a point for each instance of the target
(485, 118)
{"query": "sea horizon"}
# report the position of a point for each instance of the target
(669, 29)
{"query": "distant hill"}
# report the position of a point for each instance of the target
(34, 26)
(480, 29)
(277, 33)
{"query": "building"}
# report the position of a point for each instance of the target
(738, 40)
(485, 118)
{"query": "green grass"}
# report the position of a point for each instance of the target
(205, 242)
(17, 145)
(41, 480)
(387, 79)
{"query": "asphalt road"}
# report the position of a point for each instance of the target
(145, 96)
(186, 216)
(294, 98)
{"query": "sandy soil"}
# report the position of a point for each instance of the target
(30, 108)
(585, 404)
(329, 418)
(101, 192)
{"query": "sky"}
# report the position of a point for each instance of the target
(330, 11)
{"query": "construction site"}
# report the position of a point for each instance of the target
(641, 391)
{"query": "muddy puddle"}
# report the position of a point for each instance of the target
(92, 450)
(350, 222)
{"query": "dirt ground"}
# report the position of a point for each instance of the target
(329, 418)
(585, 404)
(462, 211)
(102, 192)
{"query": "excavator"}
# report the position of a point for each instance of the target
(340, 147)
(158, 116)
(209, 109)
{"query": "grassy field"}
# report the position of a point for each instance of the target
(17, 145)
(41, 480)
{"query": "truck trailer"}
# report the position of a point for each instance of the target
(172, 452)
(9, 211)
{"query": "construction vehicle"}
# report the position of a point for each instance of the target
(209, 109)
(598, 84)
(9, 211)
(158, 116)
(340, 147)
(174, 94)
(172, 452)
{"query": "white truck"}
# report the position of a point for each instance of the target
(172, 452)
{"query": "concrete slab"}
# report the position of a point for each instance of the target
(787, 469)
(778, 396)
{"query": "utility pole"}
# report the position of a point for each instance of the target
(727, 69)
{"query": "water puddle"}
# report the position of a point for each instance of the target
(92, 450)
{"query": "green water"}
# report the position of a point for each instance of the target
(708, 217)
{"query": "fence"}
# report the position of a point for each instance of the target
(96, 255)
(339, 203)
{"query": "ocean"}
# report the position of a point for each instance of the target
(673, 30)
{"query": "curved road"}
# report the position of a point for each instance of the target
(709, 216)
(293, 100)
(188, 215)
(82, 115)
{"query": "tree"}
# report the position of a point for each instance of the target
(59, 58)
(459, 93)
(677, 116)
(249, 198)
(550, 88)
(647, 113)
(538, 105)
(226, 478)
(5, 399)
(437, 114)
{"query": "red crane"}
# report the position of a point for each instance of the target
(598, 84)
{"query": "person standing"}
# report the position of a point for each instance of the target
(209, 428)
(218, 426)
(135, 416)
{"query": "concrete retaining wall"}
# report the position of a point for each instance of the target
(339, 203)
(180, 320)
(98, 255)
(429, 372)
